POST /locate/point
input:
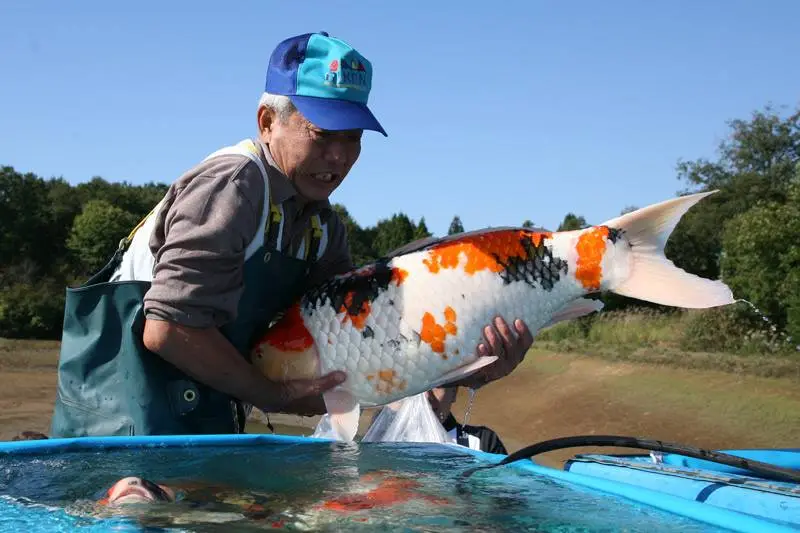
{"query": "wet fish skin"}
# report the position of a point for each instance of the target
(411, 321)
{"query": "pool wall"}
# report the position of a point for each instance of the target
(724, 518)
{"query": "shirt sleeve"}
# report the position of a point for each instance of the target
(337, 258)
(199, 258)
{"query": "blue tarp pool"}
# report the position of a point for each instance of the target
(299, 483)
(704, 481)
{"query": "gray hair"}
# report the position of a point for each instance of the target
(279, 103)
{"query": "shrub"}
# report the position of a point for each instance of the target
(32, 310)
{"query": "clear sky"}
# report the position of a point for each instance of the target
(496, 111)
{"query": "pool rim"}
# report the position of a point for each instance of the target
(701, 512)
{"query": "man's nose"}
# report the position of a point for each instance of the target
(336, 151)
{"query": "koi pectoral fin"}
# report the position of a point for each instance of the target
(575, 309)
(344, 413)
(464, 371)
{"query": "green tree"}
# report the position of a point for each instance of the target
(32, 310)
(422, 231)
(359, 239)
(754, 164)
(455, 226)
(64, 204)
(527, 224)
(761, 258)
(96, 233)
(572, 222)
(393, 233)
(138, 200)
(26, 229)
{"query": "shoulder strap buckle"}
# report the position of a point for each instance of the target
(313, 239)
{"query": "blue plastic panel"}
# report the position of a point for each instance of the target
(689, 484)
(709, 514)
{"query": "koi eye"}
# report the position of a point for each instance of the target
(157, 491)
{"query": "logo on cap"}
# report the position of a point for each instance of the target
(347, 74)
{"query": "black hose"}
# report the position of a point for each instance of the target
(764, 470)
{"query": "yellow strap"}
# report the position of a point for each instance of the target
(125, 242)
(275, 213)
(316, 231)
(249, 145)
(307, 242)
(316, 225)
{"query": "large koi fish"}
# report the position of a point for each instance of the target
(412, 321)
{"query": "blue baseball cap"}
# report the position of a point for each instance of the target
(326, 79)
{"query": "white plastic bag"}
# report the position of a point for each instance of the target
(408, 420)
(324, 430)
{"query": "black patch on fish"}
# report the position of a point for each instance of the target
(537, 268)
(614, 234)
(367, 333)
(350, 291)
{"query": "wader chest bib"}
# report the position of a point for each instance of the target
(110, 384)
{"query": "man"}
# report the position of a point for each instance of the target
(158, 341)
(476, 437)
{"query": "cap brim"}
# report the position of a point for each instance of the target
(336, 115)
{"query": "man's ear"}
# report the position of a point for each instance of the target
(266, 120)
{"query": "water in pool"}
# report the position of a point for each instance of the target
(307, 486)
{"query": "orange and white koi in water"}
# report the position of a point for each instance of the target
(413, 320)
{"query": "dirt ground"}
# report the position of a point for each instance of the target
(551, 395)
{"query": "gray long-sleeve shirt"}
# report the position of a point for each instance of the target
(210, 215)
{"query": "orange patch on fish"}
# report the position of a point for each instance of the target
(483, 252)
(591, 247)
(399, 276)
(391, 491)
(434, 333)
(358, 318)
(290, 333)
(387, 381)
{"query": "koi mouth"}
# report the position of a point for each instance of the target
(136, 490)
(134, 494)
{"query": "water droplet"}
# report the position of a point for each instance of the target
(470, 401)
(772, 327)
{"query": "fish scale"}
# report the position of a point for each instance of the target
(413, 320)
(476, 279)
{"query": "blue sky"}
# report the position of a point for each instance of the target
(496, 111)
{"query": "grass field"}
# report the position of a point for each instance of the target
(552, 394)
(717, 339)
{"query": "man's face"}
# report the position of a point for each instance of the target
(441, 400)
(316, 160)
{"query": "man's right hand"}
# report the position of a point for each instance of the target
(300, 396)
(206, 356)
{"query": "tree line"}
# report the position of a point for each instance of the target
(54, 234)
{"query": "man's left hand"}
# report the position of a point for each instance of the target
(510, 348)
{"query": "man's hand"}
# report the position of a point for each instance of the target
(509, 346)
(207, 356)
(300, 396)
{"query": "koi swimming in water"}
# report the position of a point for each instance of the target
(413, 320)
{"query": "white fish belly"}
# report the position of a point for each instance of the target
(428, 325)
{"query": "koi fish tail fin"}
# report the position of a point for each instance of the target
(651, 276)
